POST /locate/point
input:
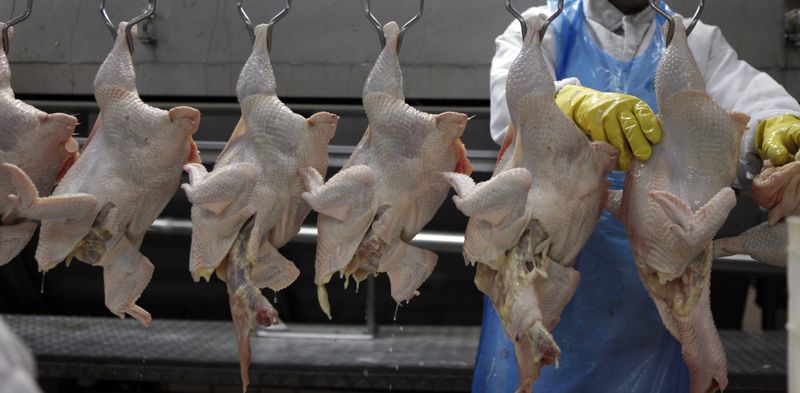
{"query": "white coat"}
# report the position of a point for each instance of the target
(733, 83)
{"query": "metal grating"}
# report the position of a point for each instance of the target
(412, 358)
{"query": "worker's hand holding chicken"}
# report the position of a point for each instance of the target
(603, 55)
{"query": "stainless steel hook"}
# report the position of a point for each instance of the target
(252, 30)
(524, 24)
(151, 9)
(12, 22)
(379, 27)
(671, 21)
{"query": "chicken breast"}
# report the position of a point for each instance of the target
(674, 204)
(255, 178)
(530, 220)
(132, 166)
(388, 189)
(36, 149)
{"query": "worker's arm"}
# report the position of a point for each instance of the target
(737, 86)
(508, 46)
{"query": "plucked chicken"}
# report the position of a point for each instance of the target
(388, 189)
(674, 204)
(256, 178)
(132, 166)
(36, 149)
(530, 220)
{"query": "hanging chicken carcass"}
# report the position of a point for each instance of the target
(255, 178)
(36, 149)
(132, 166)
(675, 202)
(530, 220)
(388, 189)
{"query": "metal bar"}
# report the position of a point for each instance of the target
(454, 242)
(372, 322)
(340, 109)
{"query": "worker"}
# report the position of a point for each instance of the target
(603, 55)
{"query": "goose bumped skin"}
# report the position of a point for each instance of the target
(250, 204)
(530, 220)
(674, 204)
(36, 149)
(132, 166)
(388, 189)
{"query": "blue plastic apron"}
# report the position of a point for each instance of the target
(610, 334)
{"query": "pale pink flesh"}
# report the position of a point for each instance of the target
(778, 190)
(249, 308)
(35, 149)
(131, 167)
(388, 189)
(257, 177)
(530, 220)
(675, 202)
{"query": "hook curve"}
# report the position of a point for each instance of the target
(251, 30)
(671, 21)
(524, 24)
(151, 9)
(379, 27)
(14, 21)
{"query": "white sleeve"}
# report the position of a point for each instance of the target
(508, 46)
(738, 86)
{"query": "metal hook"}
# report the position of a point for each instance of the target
(379, 27)
(524, 24)
(13, 22)
(695, 17)
(550, 20)
(252, 30)
(671, 21)
(151, 9)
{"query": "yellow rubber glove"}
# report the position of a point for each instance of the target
(624, 121)
(778, 138)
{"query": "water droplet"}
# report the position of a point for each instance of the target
(275, 298)
(397, 307)
(401, 328)
(396, 367)
(366, 373)
(390, 386)
(391, 349)
(41, 290)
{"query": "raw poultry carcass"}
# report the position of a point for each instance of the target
(36, 149)
(674, 204)
(255, 177)
(776, 189)
(132, 166)
(530, 220)
(388, 189)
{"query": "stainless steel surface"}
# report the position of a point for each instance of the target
(402, 358)
(201, 46)
(435, 241)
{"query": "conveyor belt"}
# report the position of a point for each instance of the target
(410, 358)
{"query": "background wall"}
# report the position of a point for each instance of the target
(323, 48)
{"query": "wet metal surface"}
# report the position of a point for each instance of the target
(420, 358)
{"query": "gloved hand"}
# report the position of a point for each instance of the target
(624, 121)
(777, 139)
